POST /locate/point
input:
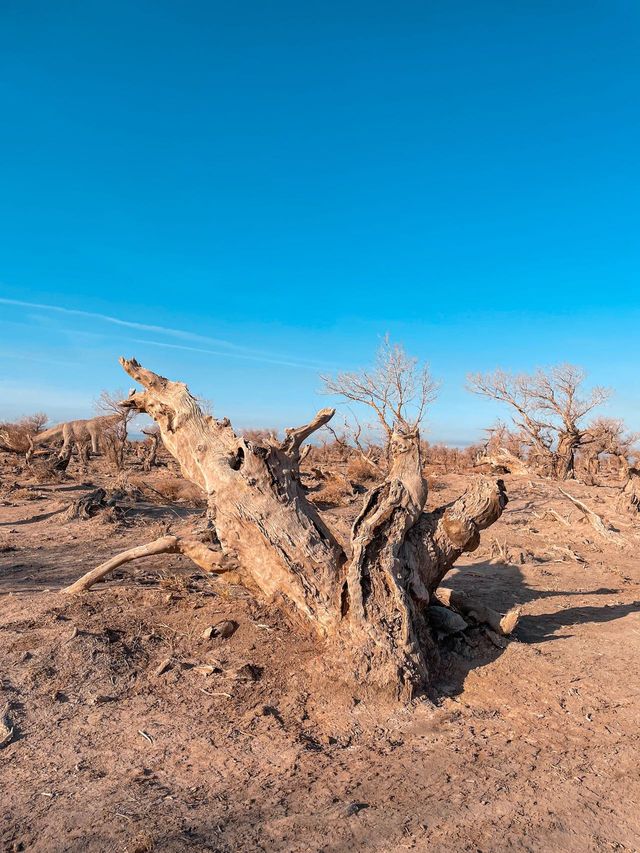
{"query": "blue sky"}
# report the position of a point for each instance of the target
(262, 190)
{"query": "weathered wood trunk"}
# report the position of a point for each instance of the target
(151, 451)
(503, 458)
(564, 462)
(593, 463)
(371, 605)
(629, 497)
(271, 535)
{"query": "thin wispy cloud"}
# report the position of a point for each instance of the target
(225, 348)
(265, 359)
(117, 321)
(10, 355)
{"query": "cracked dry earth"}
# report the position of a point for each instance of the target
(134, 732)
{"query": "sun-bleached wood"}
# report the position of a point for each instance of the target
(369, 605)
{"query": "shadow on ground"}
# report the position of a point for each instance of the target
(503, 586)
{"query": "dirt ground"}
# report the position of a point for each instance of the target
(133, 732)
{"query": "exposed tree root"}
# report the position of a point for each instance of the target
(87, 506)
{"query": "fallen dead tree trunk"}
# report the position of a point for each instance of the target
(596, 521)
(371, 609)
(87, 506)
(503, 458)
(503, 624)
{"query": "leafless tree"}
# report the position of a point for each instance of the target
(114, 434)
(398, 389)
(151, 447)
(550, 409)
(15, 435)
(351, 440)
(609, 436)
(110, 403)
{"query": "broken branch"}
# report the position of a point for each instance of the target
(503, 624)
(202, 556)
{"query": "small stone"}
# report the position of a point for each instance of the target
(100, 699)
(163, 667)
(354, 808)
(226, 629)
(246, 672)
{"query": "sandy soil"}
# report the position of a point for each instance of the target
(133, 732)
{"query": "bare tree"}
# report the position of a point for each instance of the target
(367, 452)
(398, 389)
(550, 409)
(110, 403)
(609, 436)
(114, 433)
(368, 604)
(15, 436)
(151, 447)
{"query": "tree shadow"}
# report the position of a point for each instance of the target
(33, 518)
(504, 586)
(542, 629)
(32, 570)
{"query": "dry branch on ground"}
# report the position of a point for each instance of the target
(602, 529)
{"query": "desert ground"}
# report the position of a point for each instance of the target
(130, 726)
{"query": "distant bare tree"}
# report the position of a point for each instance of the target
(609, 436)
(368, 453)
(15, 435)
(550, 409)
(398, 389)
(205, 404)
(35, 423)
(151, 447)
(114, 435)
(109, 402)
